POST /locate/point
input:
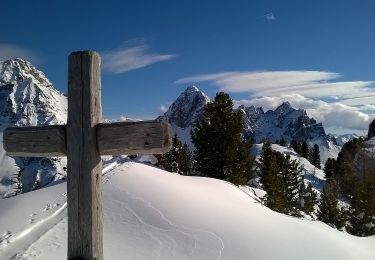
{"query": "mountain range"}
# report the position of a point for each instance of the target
(28, 98)
(284, 122)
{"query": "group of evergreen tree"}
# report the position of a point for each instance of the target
(282, 180)
(303, 149)
(177, 159)
(220, 151)
(350, 177)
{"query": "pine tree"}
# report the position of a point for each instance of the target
(282, 141)
(328, 211)
(220, 151)
(329, 169)
(281, 180)
(315, 156)
(305, 152)
(273, 184)
(297, 146)
(17, 180)
(362, 212)
(291, 172)
(309, 198)
(177, 159)
(371, 130)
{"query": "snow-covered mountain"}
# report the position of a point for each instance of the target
(283, 122)
(342, 139)
(184, 113)
(28, 98)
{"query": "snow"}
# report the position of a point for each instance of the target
(153, 214)
(311, 174)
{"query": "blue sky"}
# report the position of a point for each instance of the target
(319, 54)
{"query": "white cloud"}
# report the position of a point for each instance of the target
(332, 115)
(11, 51)
(313, 84)
(270, 17)
(131, 58)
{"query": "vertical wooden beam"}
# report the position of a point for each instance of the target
(84, 165)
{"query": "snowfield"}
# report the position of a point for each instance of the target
(153, 214)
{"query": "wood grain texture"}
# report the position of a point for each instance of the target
(145, 137)
(35, 141)
(85, 228)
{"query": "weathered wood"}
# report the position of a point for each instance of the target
(84, 164)
(143, 137)
(147, 137)
(35, 141)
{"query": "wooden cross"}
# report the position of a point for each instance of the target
(83, 140)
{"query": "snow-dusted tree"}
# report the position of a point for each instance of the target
(17, 179)
(220, 151)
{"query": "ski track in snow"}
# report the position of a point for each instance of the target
(26, 240)
(174, 228)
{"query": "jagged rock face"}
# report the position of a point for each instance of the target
(283, 122)
(187, 109)
(27, 98)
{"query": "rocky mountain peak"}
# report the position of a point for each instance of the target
(27, 97)
(187, 109)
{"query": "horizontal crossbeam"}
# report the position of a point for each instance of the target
(144, 137)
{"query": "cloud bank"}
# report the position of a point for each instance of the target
(334, 116)
(348, 105)
(131, 58)
(313, 84)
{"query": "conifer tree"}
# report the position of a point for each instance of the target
(282, 141)
(297, 146)
(220, 151)
(281, 179)
(309, 199)
(328, 211)
(305, 152)
(362, 212)
(315, 156)
(329, 169)
(291, 172)
(371, 130)
(177, 159)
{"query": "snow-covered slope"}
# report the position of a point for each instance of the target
(342, 139)
(153, 214)
(28, 98)
(311, 174)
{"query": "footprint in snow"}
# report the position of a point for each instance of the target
(47, 207)
(5, 237)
